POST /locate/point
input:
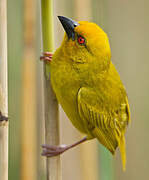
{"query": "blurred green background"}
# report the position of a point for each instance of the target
(127, 25)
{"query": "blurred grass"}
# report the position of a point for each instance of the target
(15, 48)
(106, 165)
(29, 101)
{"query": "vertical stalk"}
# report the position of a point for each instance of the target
(83, 14)
(15, 64)
(3, 91)
(28, 125)
(106, 164)
(51, 105)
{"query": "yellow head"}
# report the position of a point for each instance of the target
(85, 42)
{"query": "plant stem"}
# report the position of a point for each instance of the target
(50, 102)
(3, 92)
(28, 123)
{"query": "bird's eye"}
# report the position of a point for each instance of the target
(81, 40)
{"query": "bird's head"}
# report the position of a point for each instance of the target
(85, 42)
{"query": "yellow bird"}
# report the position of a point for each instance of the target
(88, 87)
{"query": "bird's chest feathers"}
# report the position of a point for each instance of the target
(65, 82)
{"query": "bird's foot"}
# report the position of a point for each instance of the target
(46, 57)
(50, 150)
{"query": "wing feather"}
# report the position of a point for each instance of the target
(108, 126)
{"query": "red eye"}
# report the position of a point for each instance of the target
(81, 40)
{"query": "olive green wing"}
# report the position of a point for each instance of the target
(108, 125)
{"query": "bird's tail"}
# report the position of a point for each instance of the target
(123, 151)
(110, 141)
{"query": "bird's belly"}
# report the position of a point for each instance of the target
(70, 108)
(66, 92)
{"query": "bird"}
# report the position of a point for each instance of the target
(88, 87)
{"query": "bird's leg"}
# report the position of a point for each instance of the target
(46, 56)
(3, 118)
(50, 150)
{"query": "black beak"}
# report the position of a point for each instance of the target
(68, 25)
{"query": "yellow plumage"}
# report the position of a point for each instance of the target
(89, 88)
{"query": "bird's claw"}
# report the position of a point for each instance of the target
(46, 56)
(50, 150)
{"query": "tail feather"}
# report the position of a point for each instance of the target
(111, 142)
(123, 151)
